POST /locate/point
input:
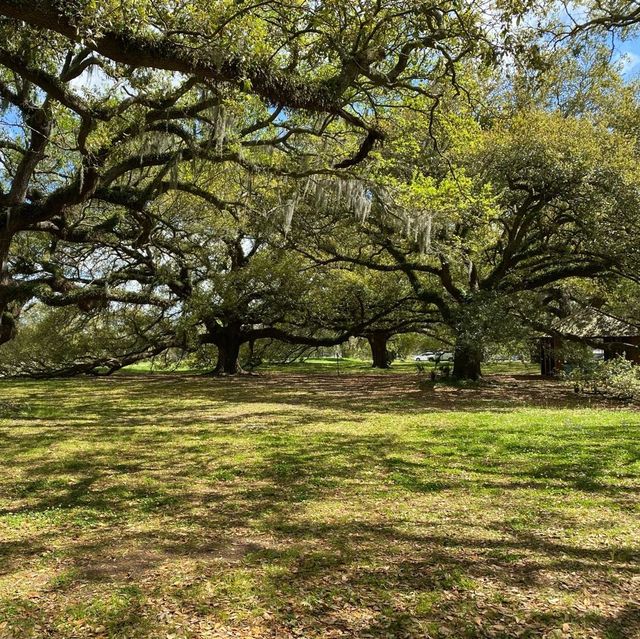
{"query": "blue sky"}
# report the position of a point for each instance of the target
(631, 50)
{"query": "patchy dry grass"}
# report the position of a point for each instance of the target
(315, 506)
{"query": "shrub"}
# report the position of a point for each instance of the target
(617, 378)
(66, 341)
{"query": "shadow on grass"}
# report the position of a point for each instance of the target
(349, 394)
(275, 501)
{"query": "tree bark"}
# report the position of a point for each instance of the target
(228, 340)
(379, 353)
(7, 325)
(467, 361)
(8, 306)
(228, 352)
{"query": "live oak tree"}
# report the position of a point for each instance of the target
(621, 16)
(207, 84)
(234, 286)
(406, 315)
(210, 269)
(384, 303)
(560, 186)
(531, 201)
(365, 303)
(67, 341)
(234, 107)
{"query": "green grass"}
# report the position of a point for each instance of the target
(347, 365)
(315, 505)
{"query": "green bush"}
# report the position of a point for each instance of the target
(66, 341)
(617, 378)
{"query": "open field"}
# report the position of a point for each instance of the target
(347, 365)
(290, 505)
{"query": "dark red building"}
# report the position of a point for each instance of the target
(593, 327)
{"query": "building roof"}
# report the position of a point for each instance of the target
(592, 322)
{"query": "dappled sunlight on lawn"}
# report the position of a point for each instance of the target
(286, 505)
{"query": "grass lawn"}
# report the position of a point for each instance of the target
(347, 365)
(361, 367)
(316, 505)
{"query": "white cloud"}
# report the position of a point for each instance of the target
(629, 62)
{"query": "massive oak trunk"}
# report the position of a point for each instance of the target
(468, 360)
(7, 306)
(7, 324)
(379, 353)
(228, 353)
(228, 341)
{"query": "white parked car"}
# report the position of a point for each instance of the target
(434, 356)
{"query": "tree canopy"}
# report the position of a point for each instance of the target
(217, 172)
